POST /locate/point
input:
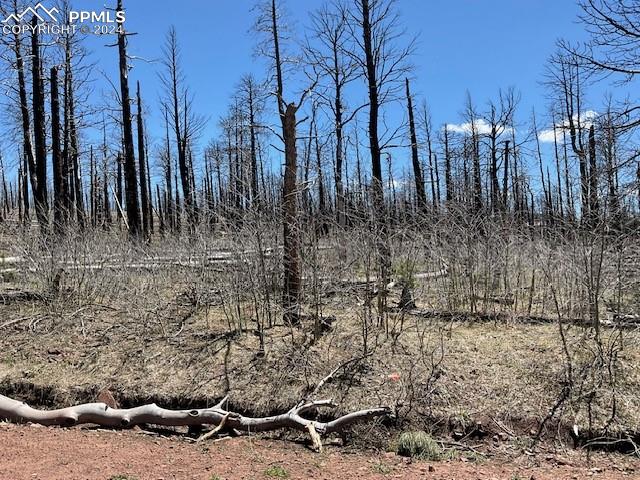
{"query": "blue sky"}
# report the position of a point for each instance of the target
(478, 46)
(474, 45)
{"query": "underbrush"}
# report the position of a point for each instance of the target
(501, 343)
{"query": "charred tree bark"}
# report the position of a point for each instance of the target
(505, 178)
(119, 187)
(39, 134)
(447, 167)
(105, 178)
(291, 258)
(322, 204)
(59, 192)
(495, 189)
(93, 190)
(417, 170)
(170, 206)
(71, 155)
(477, 173)
(29, 163)
(149, 190)
(377, 189)
(558, 174)
(255, 194)
(131, 182)
(144, 184)
(594, 204)
(611, 166)
(291, 239)
(180, 128)
(25, 189)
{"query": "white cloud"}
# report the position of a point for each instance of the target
(586, 120)
(481, 126)
(546, 136)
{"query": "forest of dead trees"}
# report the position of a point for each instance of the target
(309, 143)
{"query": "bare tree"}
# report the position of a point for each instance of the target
(565, 79)
(252, 94)
(613, 46)
(130, 174)
(375, 27)
(40, 138)
(327, 53)
(186, 125)
(415, 160)
(144, 184)
(28, 167)
(59, 192)
(269, 23)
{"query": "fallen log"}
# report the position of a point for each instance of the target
(101, 414)
(14, 296)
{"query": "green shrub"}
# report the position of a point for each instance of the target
(276, 471)
(419, 445)
(382, 469)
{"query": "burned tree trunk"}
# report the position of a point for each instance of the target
(417, 170)
(287, 112)
(119, 189)
(448, 182)
(130, 180)
(180, 125)
(377, 189)
(144, 184)
(75, 199)
(59, 192)
(39, 134)
(505, 178)
(291, 259)
(255, 199)
(594, 204)
(29, 163)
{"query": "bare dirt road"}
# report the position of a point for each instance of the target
(32, 452)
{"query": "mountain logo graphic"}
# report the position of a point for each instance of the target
(39, 11)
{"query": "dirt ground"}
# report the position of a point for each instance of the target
(34, 452)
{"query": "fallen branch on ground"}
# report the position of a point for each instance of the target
(101, 414)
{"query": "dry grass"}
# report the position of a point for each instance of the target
(187, 334)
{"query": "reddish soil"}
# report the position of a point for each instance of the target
(33, 452)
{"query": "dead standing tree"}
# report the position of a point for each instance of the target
(268, 22)
(39, 134)
(145, 194)
(498, 120)
(251, 94)
(28, 168)
(74, 55)
(375, 29)
(613, 47)
(327, 54)
(130, 175)
(565, 78)
(415, 160)
(186, 125)
(59, 191)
